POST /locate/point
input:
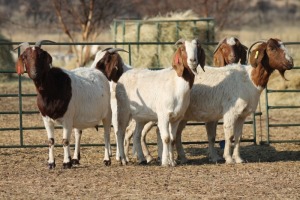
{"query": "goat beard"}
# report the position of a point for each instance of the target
(282, 74)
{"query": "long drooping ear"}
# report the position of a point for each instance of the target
(49, 58)
(243, 54)
(219, 60)
(219, 44)
(201, 56)
(116, 71)
(257, 54)
(177, 62)
(111, 66)
(20, 66)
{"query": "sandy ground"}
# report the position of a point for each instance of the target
(269, 172)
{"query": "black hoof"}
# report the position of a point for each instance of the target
(107, 162)
(75, 162)
(51, 165)
(144, 162)
(67, 165)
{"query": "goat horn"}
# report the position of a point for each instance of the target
(25, 44)
(107, 49)
(180, 41)
(113, 50)
(249, 50)
(219, 44)
(39, 43)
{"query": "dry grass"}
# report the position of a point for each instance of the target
(270, 172)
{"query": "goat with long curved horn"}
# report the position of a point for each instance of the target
(39, 43)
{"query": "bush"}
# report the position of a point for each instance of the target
(6, 59)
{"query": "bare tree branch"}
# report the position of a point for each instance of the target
(88, 24)
(57, 7)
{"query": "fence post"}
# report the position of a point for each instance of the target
(20, 105)
(267, 115)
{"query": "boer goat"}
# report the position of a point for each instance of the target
(232, 93)
(137, 95)
(230, 50)
(75, 99)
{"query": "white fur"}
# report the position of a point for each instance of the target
(147, 95)
(285, 51)
(230, 41)
(228, 93)
(113, 103)
(89, 104)
(212, 98)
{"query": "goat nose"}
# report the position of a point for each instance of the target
(193, 59)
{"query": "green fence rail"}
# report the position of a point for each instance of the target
(269, 107)
(20, 97)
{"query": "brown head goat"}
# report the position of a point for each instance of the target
(75, 99)
(230, 50)
(232, 93)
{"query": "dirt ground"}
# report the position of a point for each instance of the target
(269, 172)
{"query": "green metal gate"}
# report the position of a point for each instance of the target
(20, 95)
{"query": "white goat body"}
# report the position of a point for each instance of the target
(90, 97)
(147, 98)
(227, 93)
(161, 96)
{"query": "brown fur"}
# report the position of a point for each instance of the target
(224, 52)
(52, 84)
(20, 66)
(201, 55)
(269, 58)
(180, 65)
(115, 69)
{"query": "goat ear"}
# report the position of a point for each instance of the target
(117, 70)
(243, 54)
(49, 59)
(177, 63)
(219, 59)
(112, 69)
(201, 57)
(101, 66)
(20, 66)
(257, 55)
